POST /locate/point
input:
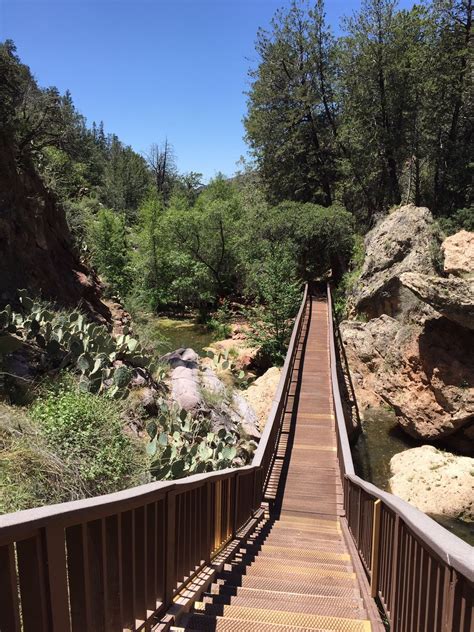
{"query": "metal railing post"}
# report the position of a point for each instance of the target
(374, 563)
(170, 545)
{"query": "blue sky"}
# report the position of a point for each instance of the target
(152, 69)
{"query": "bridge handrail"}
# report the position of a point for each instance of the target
(364, 520)
(39, 516)
(63, 561)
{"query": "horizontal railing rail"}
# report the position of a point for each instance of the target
(114, 562)
(422, 573)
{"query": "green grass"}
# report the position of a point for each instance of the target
(68, 445)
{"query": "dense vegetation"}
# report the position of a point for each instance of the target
(341, 129)
(379, 116)
(160, 238)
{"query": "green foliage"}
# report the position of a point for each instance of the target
(31, 474)
(109, 249)
(280, 292)
(220, 321)
(376, 117)
(181, 445)
(85, 431)
(462, 219)
(126, 178)
(349, 279)
(224, 362)
(69, 341)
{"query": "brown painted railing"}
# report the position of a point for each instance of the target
(422, 574)
(114, 562)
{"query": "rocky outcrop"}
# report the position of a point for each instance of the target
(185, 389)
(260, 394)
(458, 253)
(453, 298)
(403, 242)
(416, 351)
(35, 244)
(424, 372)
(438, 483)
(195, 387)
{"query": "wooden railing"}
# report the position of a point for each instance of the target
(422, 574)
(115, 562)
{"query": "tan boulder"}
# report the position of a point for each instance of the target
(438, 483)
(401, 242)
(453, 298)
(458, 252)
(260, 394)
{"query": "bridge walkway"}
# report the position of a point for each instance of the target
(297, 573)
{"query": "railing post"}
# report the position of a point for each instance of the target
(235, 512)
(448, 599)
(374, 565)
(9, 608)
(170, 547)
(393, 579)
(359, 517)
(57, 578)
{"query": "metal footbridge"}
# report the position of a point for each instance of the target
(294, 542)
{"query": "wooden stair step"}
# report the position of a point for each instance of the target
(275, 584)
(289, 602)
(298, 605)
(249, 617)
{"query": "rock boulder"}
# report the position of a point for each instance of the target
(260, 394)
(438, 483)
(403, 241)
(453, 298)
(424, 372)
(458, 253)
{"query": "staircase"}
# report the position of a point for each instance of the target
(295, 572)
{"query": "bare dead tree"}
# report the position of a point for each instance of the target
(161, 160)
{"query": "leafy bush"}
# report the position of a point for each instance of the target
(349, 278)
(219, 324)
(181, 445)
(85, 432)
(107, 240)
(31, 474)
(462, 219)
(280, 293)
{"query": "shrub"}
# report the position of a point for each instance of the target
(85, 431)
(107, 240)
(462, 219)
(219, 324)
(280, 294)
(31, 474)
(349, 278)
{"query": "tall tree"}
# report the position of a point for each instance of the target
(290, 110)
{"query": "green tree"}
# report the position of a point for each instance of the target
(108, 242)
(279, 291)
(126, 179)
(207, 231)
(290, 116)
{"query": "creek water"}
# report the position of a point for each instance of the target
(381, 439)
(169, 334)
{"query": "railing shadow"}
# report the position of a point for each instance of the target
(276, 507)
(231, 578)
(346, 387)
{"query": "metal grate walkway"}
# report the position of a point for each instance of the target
(296, 572)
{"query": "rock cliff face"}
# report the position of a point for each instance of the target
(405, 241)
(416, 351)
(35, 245)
